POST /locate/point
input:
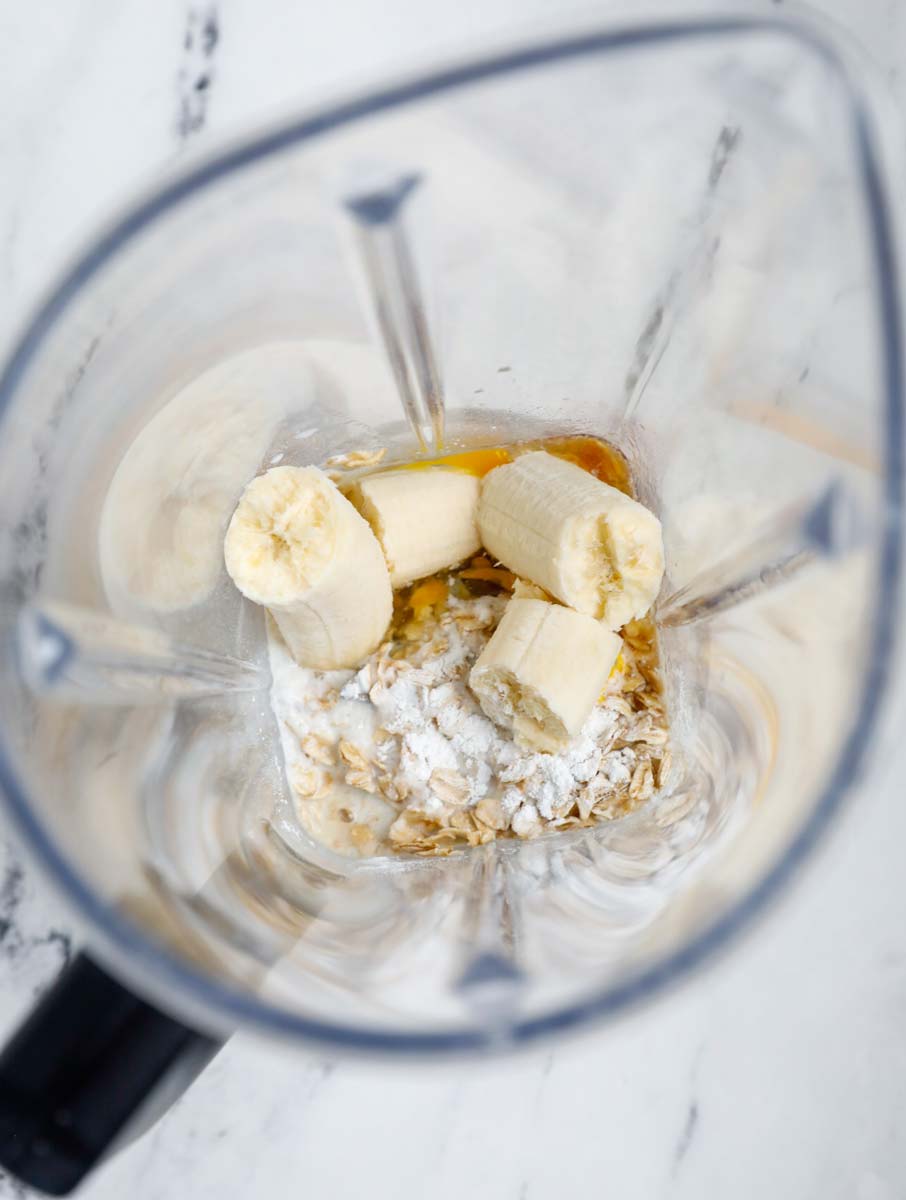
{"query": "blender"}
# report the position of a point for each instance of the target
(532, 244)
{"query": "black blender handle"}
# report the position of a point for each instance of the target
(88, 1064)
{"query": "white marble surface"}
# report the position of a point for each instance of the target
(779, 1072)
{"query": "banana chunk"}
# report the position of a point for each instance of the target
(424, 518)
(584, 542)
(542, 672)
(297, 546)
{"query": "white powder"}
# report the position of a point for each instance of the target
(431, 748)
(423, 752)
(617, 767)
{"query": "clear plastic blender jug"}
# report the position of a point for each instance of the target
(672, 236)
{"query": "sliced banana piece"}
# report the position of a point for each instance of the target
(297, 546)
(586, 543)
(542, 672)
(424, 518)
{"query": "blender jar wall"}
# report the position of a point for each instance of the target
(697, 284)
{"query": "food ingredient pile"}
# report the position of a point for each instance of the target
(460, 678)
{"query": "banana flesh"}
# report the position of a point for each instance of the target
(586, 543)
(542, 672)
(298, 547)
(424, 518)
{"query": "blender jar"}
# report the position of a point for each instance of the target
(674, 236)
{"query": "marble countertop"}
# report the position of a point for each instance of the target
(780, 1071)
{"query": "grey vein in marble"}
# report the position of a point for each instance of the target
(197, 74)
(18, 943)
(686, 1136)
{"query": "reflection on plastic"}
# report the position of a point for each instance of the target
(72, 653)
(828, 528)
(397, 303)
